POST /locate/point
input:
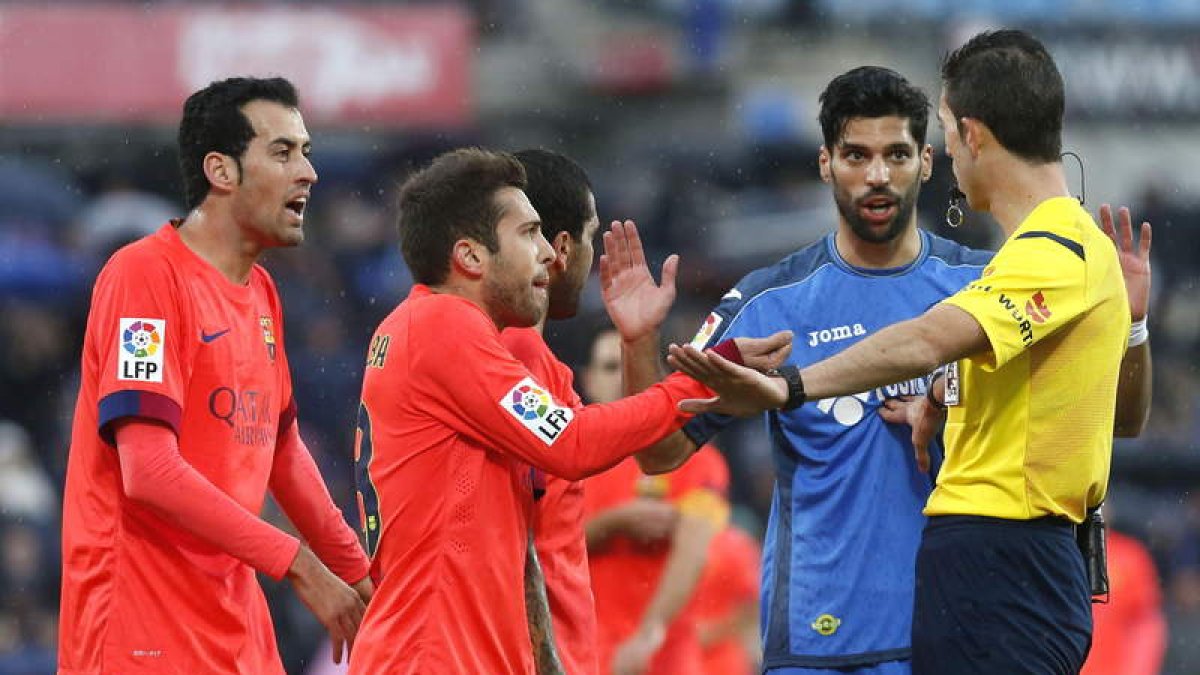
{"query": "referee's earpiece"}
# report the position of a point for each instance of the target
(1082, 187)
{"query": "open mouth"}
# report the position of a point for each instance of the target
(297, 206)
(878, 208)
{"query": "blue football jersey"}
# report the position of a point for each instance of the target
(841, 542)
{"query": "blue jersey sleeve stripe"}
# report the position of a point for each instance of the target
(132, 403)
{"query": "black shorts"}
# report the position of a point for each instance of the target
(1000, 597)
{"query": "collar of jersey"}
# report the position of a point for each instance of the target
(836, 257)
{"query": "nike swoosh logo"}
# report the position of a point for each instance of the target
(209, 337)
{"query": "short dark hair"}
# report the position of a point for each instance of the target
(558, 188)
(871, 91)
(453, 198)
(213, 121)
(1007, 80)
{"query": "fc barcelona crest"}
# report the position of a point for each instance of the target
(268, 335)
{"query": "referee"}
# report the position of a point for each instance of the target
(1034, 348)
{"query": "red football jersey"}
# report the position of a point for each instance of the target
(169, 338)
(1130, 634)
(626, 573)
(449, 424)
(558, 521)
(730, 583)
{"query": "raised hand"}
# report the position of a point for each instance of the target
(918, 413)
(741, 391)
(1135, 261)
(635, 303)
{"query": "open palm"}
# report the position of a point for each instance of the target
(635, 303)
(1135, 261)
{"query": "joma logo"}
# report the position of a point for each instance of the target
(820, 337)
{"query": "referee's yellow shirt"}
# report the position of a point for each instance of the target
(1029, 431)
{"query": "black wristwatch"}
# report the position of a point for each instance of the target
(795, 385)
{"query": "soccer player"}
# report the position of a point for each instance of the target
(725, 607)
(450, 423)
(1035, 348)
(561, 193)
(846, 518)
(644, 578)
(185, 418)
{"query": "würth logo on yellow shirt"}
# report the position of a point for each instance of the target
(1023, 323)
(537, 411)
(1036, 309)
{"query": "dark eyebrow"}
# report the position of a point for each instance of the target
(290, 143)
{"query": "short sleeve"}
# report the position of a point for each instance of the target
(1036, 284)
(137, 328)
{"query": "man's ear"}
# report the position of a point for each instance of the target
(926, 163)
(823, 159)
(975, 134)
(222, 171)
(469, 258)
(564, 246)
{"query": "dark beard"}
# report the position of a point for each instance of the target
(904, 210)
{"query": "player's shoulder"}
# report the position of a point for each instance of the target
(954, 254)
(1058, 227)
(150, 257)
(793, 269)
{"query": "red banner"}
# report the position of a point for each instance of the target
(387, 66)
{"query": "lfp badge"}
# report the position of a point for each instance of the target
(140, 355)
(533, 407)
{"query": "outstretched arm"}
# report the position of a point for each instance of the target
(638, 306)
(899, 352)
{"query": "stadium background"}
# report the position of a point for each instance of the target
(694, 117)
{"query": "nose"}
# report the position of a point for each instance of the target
(308, 173)
(878, 172)
(545, 251)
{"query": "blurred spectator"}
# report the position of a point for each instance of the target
(120, 214)
(725, 607)
(1130, 633)
(25, 490)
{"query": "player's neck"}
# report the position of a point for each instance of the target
(884, 255)
(469, 290)
(219, 242)
(1023, 187)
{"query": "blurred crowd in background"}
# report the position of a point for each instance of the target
(696, 118)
